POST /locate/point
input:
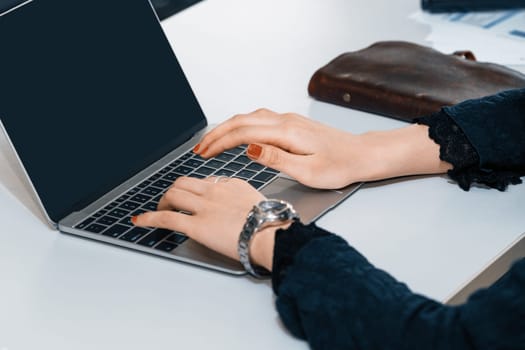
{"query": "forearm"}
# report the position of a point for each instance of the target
(400, 152)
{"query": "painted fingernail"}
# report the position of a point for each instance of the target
(134, 220)
(196, 148)
(254, 151)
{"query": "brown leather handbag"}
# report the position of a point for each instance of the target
(405, 80)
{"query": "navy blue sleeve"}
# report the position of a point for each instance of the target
(483, 139)
(495, 126)
(331, 296)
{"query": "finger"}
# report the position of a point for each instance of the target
(165, 219)
(178, 199)
(295, 165)
(191, 184)
(258, 117)
(273, 135)
(216, 179)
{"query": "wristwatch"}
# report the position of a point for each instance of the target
(271, 212)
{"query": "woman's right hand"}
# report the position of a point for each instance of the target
(320, 156)
(315, 154)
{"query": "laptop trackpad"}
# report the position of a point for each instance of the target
(309, 203)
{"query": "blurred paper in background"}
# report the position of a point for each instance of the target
(496, 36)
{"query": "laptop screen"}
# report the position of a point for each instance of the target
(90, 94)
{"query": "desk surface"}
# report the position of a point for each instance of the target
(62, 292)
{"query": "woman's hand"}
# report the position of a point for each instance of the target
(218, 208)
(315, 154)
(324, 157)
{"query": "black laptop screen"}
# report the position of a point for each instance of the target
(90, 94)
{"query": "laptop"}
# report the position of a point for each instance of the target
(102, 120)
(490, 273)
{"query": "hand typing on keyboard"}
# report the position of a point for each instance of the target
(218, 212)
(320, 156)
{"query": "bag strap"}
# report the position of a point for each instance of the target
(466, 54)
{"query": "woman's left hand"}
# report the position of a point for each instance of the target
(218, 207)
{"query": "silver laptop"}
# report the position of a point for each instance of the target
(490, 273)
(103, 120)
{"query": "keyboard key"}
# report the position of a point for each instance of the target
(264, 176)
(162, 184)
(118, 213)
(204, 170)
(144, 184)
(151, 191)
(186, 156)
(164, 170)
(106, 220)
(234, 166)
(255, 167)
(216, 164)
(138, 212)
(140, 198)
(115, 230)
(95, 228)
(122, 198)
(154, 237)
(134, 234)
(132, 191)
(157, 199)
(225, 157)
(100, 213)
(130, 205)
(197, 157)
(177, 238)
(85, 223)
(246, 174)
(236, 150)
(243, 159)
(193, 163)
(224, 172)
(198, 176)
(166, 246)
(110, 206)
(256, 184)
(154, 177)
(183, 170)
(150, 206)
(171, 177)
(271, 170)
(126, 221)
(175, 163)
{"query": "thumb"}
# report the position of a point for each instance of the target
(291, 164)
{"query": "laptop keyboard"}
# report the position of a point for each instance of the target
(114, 220)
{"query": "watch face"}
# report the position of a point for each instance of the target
(273, 211)
(273, 205)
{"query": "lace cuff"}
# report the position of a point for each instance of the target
(457, 150)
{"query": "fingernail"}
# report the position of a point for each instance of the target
(254, 151)
(134, 220)
(196, 148)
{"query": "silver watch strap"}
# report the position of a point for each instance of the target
(245, 238)
(262, 216)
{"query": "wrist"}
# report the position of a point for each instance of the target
(262, 246)
(400, 152)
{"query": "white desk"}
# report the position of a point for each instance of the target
(62, 292)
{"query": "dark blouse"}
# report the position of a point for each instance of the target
(331, 296)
